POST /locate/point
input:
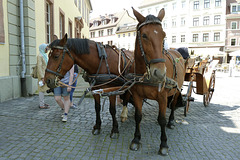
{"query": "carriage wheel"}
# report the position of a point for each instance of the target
(207, 97)
(188, 97)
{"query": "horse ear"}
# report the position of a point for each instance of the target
(161, 14)
(139, 17)
(63, 41)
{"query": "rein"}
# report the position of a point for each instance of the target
(65, 50)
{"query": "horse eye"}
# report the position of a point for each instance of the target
(144, 36)
(56, 56)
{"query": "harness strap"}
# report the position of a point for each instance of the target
(174, 65)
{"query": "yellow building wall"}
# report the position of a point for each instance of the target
(70, 12)
(4, 48)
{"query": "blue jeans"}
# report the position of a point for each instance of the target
(73, 89)
(61, 91)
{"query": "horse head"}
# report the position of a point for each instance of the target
(59, 56)
(149, 45)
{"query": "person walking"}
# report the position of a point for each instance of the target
(42, 60)
(72, 105)
(63, 91)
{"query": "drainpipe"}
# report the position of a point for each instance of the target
(23, 73)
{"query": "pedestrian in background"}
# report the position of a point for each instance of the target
(231, 66)
(72, 105)
(63, 91)
(42, 60)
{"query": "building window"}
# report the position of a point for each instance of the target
(119, 36)
(206, 20)
(196, 5)
(79, 5)
(173, 39)
(61, 24)
(217, 3)
(183, 4)
(233, 25)
(205, 37)
(157, 10)
(183, 21)
(103, 22)
(49, 21)
(182, 38)
(2, 34)
(195, 37)
(165, 24)
(110, 43)
(217, 36)
(110, 31)
(165, 7)
(100, 33)
(217, 19)
(195, 21)
(92, 34)
(206, 3)
(174, 6)
(149, 11)
(129, 34)
(173, 22)
(233, 42)
(70, 29)
(235, 8)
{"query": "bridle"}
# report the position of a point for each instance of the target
(65, 50)
(158, 60)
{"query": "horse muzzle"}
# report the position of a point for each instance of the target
(158, 75)
(51, 83)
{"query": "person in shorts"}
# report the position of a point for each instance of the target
(64, 92)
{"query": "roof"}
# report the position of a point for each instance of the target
(123, 29)
(108, 17)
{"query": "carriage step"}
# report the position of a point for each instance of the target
(191, 99)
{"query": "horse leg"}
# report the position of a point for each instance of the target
(112, 109)
(171, 124)
(162, 102)
(124, 113)
(97, 126)
(135, 144)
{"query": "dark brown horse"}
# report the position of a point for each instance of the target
(99, 67)
(164, 72)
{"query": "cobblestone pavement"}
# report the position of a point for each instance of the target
(213, 132)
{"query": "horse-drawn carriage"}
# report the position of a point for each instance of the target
(201, 73)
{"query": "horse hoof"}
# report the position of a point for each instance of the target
(135, 146)
(171, 126)
(163, 151)
(96, 131)
(114, 135)
(123, 119)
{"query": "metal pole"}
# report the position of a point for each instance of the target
(23, 73)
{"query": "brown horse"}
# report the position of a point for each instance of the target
(100, 68)
(164, 72)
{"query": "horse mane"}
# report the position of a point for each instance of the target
(79, 46)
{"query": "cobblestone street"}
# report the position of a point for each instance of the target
(212, 132)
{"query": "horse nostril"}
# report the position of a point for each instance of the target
(48, 81)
